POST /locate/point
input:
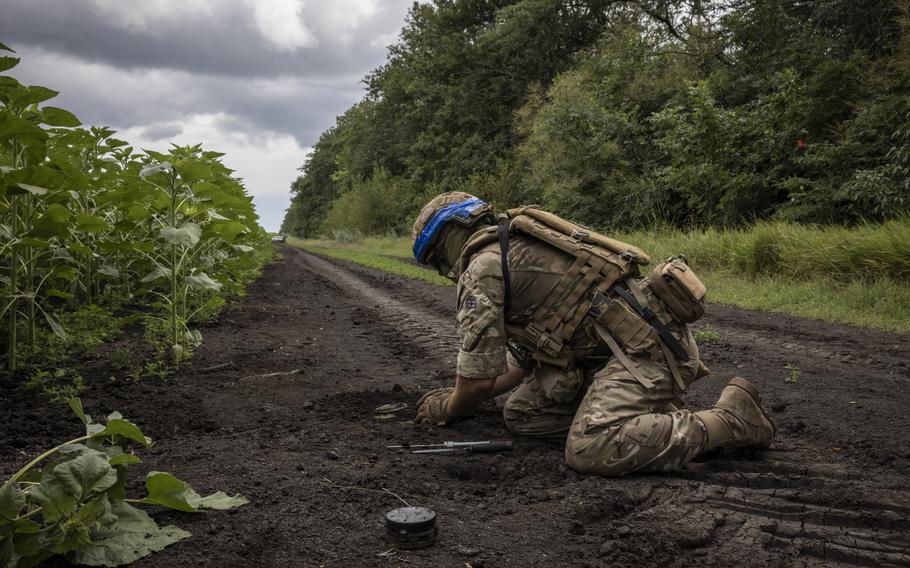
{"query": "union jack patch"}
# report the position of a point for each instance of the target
(470, 302)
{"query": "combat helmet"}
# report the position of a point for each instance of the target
(452, 207)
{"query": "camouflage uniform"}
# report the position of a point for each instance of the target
(612, 423)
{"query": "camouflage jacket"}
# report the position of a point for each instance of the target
(535, 268)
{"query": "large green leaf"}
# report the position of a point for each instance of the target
(66, 272)
(202, 281)
(12, 499)
(88, 473)
(54, 499)
(133, 536)
(192, 170)
(137, 212)
(11, 126)
(186, 235)
(227, 230)
(159, 272)
(57, 213)
(125, 459)
(88, 223)
(7, 63)
(152, 169)
(30, 544)
(120, 427)
(75, 404)
(33, 189)
(166, 490)
(33, 95)
(109, 270)
(53, 116)
(56, 326)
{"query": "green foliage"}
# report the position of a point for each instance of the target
(627, 115)
(374, 206)
(70, 501)
(867, 252)
(706, 334)
(57, 386)
(85, 220)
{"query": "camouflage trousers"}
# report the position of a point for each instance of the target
(613, 425)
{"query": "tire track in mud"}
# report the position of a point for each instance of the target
(777, 508)
(435, 334)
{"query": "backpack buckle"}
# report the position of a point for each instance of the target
(579, 236)
(628, 255)
(546, 344)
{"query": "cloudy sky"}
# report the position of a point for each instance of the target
(257, 79)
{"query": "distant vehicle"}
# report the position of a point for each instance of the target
(279, 238)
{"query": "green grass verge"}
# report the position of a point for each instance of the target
(730, 264)
(368, 256)
(882, 304)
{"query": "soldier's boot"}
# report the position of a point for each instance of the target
(738, 418)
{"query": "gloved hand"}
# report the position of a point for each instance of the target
(431, 408)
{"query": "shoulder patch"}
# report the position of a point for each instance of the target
(470, 302)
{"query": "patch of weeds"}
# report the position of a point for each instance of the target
(793, 373)
(56, 386)
(81, 334)
(208, 311)
(158, 370)
(120, 358)
(707, 334)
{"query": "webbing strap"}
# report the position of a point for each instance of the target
(649, 316)
(554, 322)
(504, 253)
(674, 367)
(622, 357)
(580, 299)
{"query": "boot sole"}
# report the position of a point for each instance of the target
(752, 391)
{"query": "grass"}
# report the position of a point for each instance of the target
(869, 252)
(381, 254)
(858, 275)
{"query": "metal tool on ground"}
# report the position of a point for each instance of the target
(411, 527)
(482, 447)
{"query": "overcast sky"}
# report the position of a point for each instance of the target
(256, 79)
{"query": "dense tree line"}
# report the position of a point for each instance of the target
(626, 114)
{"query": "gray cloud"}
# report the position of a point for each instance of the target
(222, 43)
(242, 75)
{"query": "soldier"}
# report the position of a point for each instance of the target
(609, 385)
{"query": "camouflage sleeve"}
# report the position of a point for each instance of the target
(480, 319)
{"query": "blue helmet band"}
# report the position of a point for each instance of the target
(455, 211)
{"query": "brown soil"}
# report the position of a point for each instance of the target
(832, 492)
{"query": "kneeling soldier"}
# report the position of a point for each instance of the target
(599, 355)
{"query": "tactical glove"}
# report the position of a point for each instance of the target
(432, 407)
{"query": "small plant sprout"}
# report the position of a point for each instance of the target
(793, 373)
(706, 334)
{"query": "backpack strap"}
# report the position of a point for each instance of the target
(649, 316)
(503, 228)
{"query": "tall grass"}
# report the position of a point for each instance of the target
(868, 253)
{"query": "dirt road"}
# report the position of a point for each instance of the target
(307, 450)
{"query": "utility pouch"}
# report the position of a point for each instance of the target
(675, 283)
(630, 331)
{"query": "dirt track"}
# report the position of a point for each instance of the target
(832, 492)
